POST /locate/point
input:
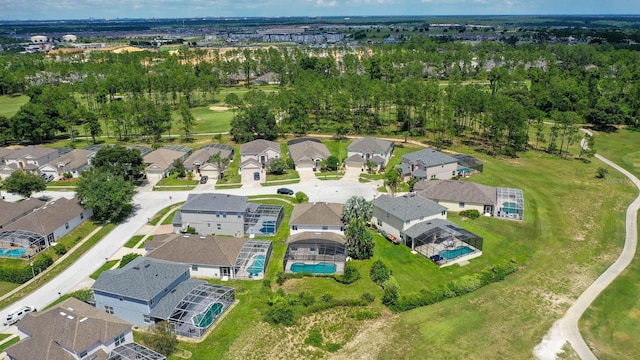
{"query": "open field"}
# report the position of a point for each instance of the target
(573, 230)
(612, 323)
(9, 105)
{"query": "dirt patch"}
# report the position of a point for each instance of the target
(218, 108)
(368, 342)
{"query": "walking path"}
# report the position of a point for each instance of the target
(566, 329)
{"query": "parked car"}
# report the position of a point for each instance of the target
(285, 191)
(204, 179)
(18, 314)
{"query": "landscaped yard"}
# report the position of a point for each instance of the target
(559, 255)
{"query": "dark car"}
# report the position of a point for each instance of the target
(285, 191)
(204, 179)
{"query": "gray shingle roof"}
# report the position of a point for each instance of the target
(72, 160)
(48, 217)
(194, 249)
(11, 211)
(80, 328)
(143, 278)
(317, 236)
(452, 190)
(203, 154)
(370, 145)
(423, 227)
(162, 157)
(34, 151)
(258, 146)
(209, 202)
(408, 207)
(329, 214)
(429, 157)
(308, 150)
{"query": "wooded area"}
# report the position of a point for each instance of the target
(490, 93)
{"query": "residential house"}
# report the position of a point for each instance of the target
(459, 195)
(254, 157)
(223, 214)
(4, 152)
(29, 159)
(147, 291)
(160, 161)
(213, 257)
(316, 217)
(49, 222)
(199, 162)
(209, 214)
(394, 215)
(308, 153)
(76, 330)
(316, 252)
(371, 149)
(428, 164)
(73, 162)
(12, 211)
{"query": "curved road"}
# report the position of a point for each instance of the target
(566, 329)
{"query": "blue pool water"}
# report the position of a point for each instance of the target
(455, 253)
(205, 319)
(268, 227)
(257, 267)
(319, 268)
(17, 252)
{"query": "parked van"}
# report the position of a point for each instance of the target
(17, 315)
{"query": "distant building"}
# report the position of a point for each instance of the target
(69, 38)
(39, 39)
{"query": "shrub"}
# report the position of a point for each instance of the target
(367, 297)
(190, 230)
(326, 298)
(127, 259)
(67, 175)
(365, 314)
(85, 295)
(471, 214)
(379, 272)
(301, 197)
(306, 299)
(266, 283)
(333, 347)
(314, 338)
(601, 173)
(160, 338)
(281, 313)
(60, 249)
(351, 274)
(391, 294)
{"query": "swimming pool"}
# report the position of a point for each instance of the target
(319, 268)
(17, 252)
(204, 319)
(257, 267)
(456, 253)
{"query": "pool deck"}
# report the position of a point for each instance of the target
(339, 266)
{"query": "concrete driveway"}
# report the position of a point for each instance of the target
(352, 174)
(307, 175)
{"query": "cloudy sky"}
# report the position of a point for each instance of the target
(83, 9)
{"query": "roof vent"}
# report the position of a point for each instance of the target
(84, 319)
(146, 265)
(136, 267)
(70, 317)
(63, 313)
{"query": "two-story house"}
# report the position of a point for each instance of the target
(428, 164)
(254, 157)
(394, 215)
(316, 217)
(28, 159)
(366, 149)
(76, 330)
(147, 290)
(209, 214)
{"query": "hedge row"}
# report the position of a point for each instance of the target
(461, 286)
(25, 273)
(351, 275)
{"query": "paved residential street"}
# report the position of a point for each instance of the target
(147, 204)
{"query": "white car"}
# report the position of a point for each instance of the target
(17, 315)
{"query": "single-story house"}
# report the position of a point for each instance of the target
(224, 214)
(73, 162)
(369, 149)
(396, 214)
(323, 252)
(76, 330)
(160, 161)
(308, 153)
(29, 159)
(459, 195)
(44, 226)
(147, 291)
(428, 164)
(12, 211)
(199, 163)
(254, 157)
(213, 257)
(316, 217)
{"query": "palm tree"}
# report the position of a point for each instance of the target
(220, 163)
(392, 179)
(356, 208)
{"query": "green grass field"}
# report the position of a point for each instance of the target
(559, 254)
(9, 105)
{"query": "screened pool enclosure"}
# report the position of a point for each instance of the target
(316, 253)
(510, 203)
(442, 241)
(18, 244)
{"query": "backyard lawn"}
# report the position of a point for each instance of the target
(9, 105)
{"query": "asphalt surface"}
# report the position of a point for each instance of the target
(146, 205)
